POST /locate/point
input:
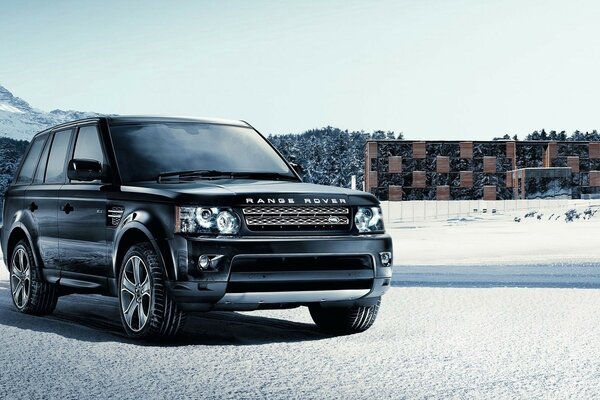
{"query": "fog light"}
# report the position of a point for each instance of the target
(210, 262)
(386, 258)
(203, 261)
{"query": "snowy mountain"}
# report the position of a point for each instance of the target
(18, 120)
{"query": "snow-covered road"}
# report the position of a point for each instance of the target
(428, 342)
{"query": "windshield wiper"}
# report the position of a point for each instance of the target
(201, 173)
(277, 176)
(213, 173)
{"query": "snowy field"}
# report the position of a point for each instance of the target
(442, 332)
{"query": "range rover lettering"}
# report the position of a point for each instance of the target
(180, 215)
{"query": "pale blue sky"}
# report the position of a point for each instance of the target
(453, 69)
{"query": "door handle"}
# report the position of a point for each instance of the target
(67, 208)
(32, 207)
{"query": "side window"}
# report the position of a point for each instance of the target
(41, 168)
(31, 160)
(88, 144)
(55, 171)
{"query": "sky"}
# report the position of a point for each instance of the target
(432, 69)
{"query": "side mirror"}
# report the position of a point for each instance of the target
(81, 169)
(298, 168)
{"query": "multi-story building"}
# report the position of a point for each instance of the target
(488, 170)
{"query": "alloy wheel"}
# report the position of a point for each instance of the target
(135, 293)
(20, 277)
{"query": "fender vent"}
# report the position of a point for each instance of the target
(114, 215)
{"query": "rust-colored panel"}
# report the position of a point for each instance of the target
(372, 180)
(419, 150)
(442, 193)
(442, 164)
(466, 150)
(511, 150)
(395, 193)
(466, 179)
(419, 179)
(552, 150)
(394, 164)
(594, 149)
(573, 162)
(489, 164)
(372, 149)
(489, 192)
(550, 153)
(509, 179)
(595, 178)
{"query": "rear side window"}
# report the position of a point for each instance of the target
(31, 160)
(55, 171)
(88, 144)
(41, 169)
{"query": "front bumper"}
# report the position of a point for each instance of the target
(279, 271)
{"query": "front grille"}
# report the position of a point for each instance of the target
(275, 218)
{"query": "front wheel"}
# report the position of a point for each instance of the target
(147, 311)
(344, 320)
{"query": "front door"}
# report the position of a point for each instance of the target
(82, 217)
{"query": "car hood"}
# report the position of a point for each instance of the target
(251, 191)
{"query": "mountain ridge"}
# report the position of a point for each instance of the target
(19, 120)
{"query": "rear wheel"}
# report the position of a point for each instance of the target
(344, 320)
(30, 294)
(147, 311)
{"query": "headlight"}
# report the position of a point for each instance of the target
(212, 220)
(368, 219)
(228, 223)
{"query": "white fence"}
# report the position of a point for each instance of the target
(410, 211)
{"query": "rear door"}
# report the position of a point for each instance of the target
(41, 200)
(82, 216)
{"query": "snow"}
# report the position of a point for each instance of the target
(18, 120)
(496, 239)
(9, 108)
(428, 342)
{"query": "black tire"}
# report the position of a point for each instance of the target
(344, 320)
(30, 293)
(160, 317)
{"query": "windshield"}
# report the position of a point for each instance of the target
(145, 151)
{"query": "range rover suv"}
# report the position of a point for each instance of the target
(178, 215)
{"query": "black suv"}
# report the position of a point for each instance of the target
(173, 215)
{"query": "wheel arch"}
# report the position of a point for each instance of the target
(19, 232)
(135, 232)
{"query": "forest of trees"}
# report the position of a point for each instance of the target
(329, 155)
(576, 136)
(11, 152)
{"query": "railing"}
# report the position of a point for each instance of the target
(411, 211)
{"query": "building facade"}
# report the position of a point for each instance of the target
(488, 170)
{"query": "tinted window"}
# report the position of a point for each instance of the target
(30, 162)
(41, 168)
(88, 144)
(143, 151)
(55, 171)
